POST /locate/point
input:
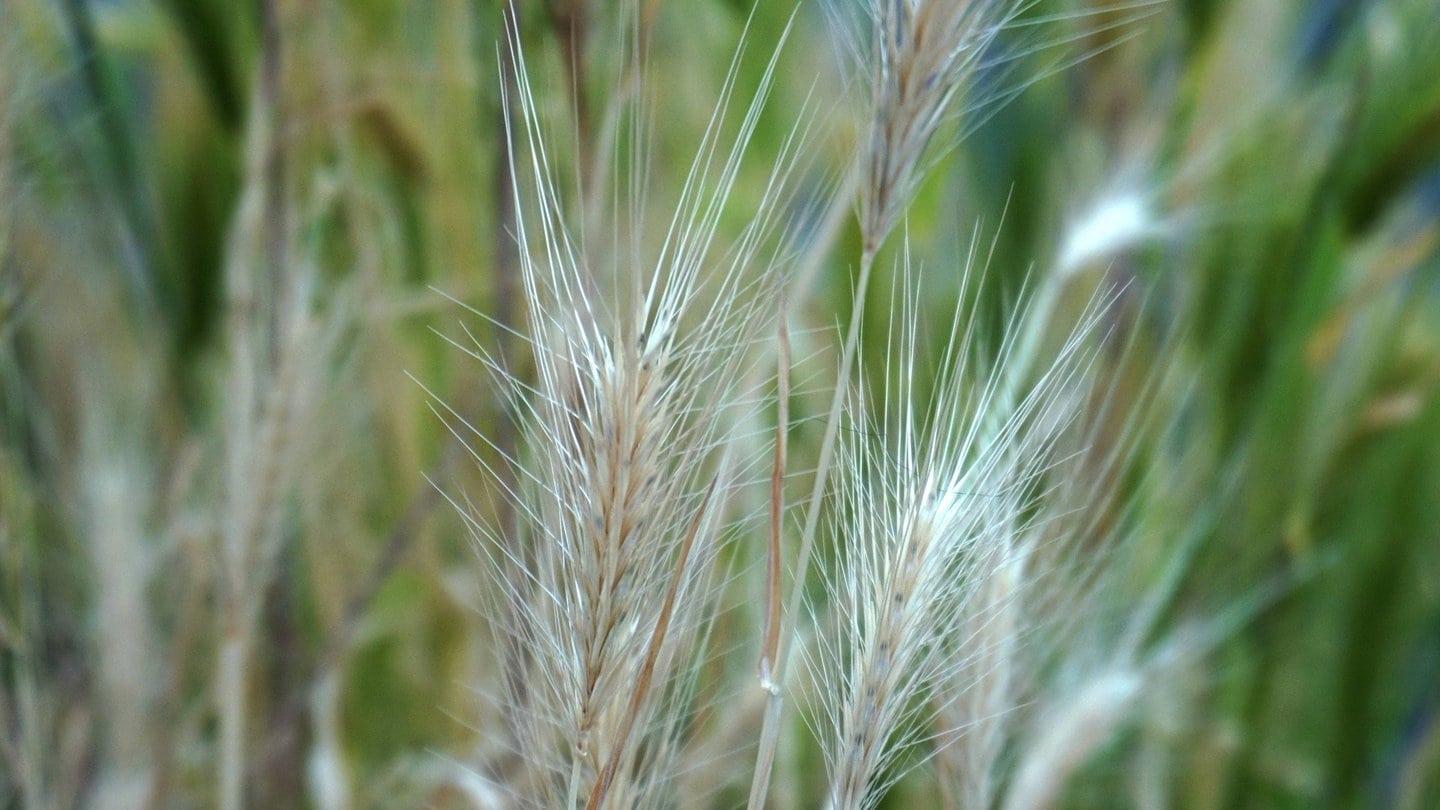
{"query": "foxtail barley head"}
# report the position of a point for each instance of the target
(625, 472)
(922, 55)
(933, 536)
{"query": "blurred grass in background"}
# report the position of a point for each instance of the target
(228, 231)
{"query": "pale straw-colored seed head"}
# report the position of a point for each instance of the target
(922, 55)
(625, 470)
(935, 497)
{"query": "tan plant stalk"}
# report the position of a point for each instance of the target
(770, 642)
(116, 506)
(282, 350)
(640, 690)
(243, 301)
(251, 336)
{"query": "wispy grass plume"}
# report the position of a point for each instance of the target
(934, 497)
(625, 471)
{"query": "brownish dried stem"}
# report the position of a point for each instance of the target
(771, 647)
(770, 730)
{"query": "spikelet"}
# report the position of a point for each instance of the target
(923, 54)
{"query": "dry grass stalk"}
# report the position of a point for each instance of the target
(770, 642)
(115, 504)
(641, 690)
(283, 352)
